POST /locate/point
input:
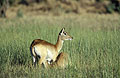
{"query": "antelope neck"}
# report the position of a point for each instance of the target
(59, 44)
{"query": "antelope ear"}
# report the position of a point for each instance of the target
(62, 30)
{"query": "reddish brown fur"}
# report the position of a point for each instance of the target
(39, 41)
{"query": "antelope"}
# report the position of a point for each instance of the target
(61, 61)
(46, 51)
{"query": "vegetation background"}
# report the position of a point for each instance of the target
(57, 7)
(94, 24)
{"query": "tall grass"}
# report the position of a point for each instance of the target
(94, 51)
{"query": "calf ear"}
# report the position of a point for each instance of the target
(62, 30)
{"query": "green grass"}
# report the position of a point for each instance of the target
(94, 51)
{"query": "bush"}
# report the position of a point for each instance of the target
(11, 2)
(118, 8)
(99, 0)
(19, 13)
(110, 8)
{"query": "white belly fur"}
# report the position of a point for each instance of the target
(49, 55)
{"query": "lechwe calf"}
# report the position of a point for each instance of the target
(47, 51)
(61, 61)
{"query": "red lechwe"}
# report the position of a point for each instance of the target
(46, 51)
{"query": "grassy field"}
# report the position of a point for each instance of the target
(94, 51)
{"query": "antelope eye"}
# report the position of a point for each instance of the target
(65, 33)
